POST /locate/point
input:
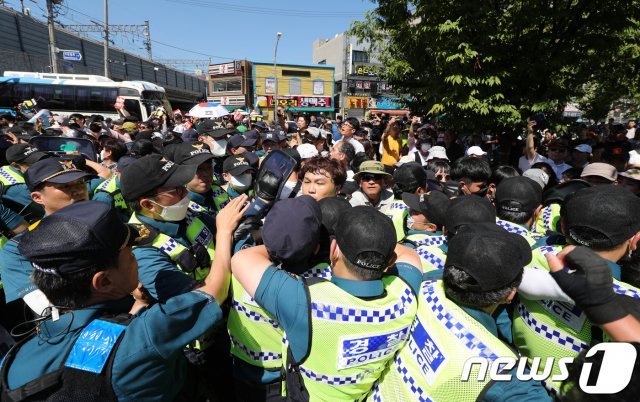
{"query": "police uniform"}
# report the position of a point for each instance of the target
(445, 335)
(398, 212)
(548, 328)
(101, 351)
(14, 268)
(176, 254)
(109, 192)
(13, 188)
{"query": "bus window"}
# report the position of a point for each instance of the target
(43, 92)
(63, 98)
(6, 95)
(82, 98)
(21, 93)
(132, 106)
(110, 97)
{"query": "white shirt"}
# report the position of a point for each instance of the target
(525, 164)
(356, 145)
(359, 198)
(631, 133)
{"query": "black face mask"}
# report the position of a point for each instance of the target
(452, 189)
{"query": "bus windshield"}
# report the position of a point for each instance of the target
(153, 100)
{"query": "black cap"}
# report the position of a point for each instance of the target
(518, 194)
(610, 213)
(53, 170)
(124, 162)
(291, 231)
(409, 176)
(253, 159)
(468, 210)
(557, 194)
(272, 136)
(433, 205)
(142, 147)
(210, 128)
(260, 124)
(489, 254)
(331, 208)
(364, 229)
(240, 140)
(236, 164)
(191, 153)
(252, 134)
(153, 171)
(24, 153)
(78, 237)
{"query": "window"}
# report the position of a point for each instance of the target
(295, 86)
(318, 87)
(360, 57)
(228, 85)
(296, 73)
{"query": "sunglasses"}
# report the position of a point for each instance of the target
(370, 176)
(442, 177)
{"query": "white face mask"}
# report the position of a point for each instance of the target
(241, 183)
(176, 212)
(425, 147)
(410, 222)
(103, 155)
(287, 189)
(219, 147)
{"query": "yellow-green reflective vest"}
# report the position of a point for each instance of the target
(220, 197)
(549, 219)
(511, 227)
(256, 337)
(110, 186)
(442, 338)
(398, 212)
(353, 340)
(9, 176)
(197, 233)
(428, 249)
(548, 328)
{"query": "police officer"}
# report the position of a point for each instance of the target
(425, 222)
(202, 189)
(333, 351)
(454, 323)
(238, 174)
(15, 193)
(181, 247)
(605, 219)
(54, 184)
(216, 137)
(103, 347)
(109, 190)
(408, 178)
(291, 234)
(518, 203)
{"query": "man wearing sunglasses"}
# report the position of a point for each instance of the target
(372, 191)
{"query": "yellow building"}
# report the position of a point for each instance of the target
(300, 88)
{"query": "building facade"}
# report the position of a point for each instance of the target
(300, 88)
(358, 88)
(230, 84)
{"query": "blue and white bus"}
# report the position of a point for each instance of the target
(78, 93)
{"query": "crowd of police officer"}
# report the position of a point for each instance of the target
(199, 259)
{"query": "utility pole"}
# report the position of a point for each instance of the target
(147, 39)
(345, 75)
(22, 6)
(106, 38)
(52, 37)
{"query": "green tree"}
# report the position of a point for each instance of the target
(493, 63)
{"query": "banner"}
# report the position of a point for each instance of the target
(301, 101)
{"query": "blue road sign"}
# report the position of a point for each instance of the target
(72, 55)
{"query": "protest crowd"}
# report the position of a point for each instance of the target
(309, 258)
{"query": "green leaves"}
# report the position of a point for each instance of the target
(488, 64)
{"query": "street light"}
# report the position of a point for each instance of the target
(275, 77)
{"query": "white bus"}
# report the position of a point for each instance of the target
(65, 94)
